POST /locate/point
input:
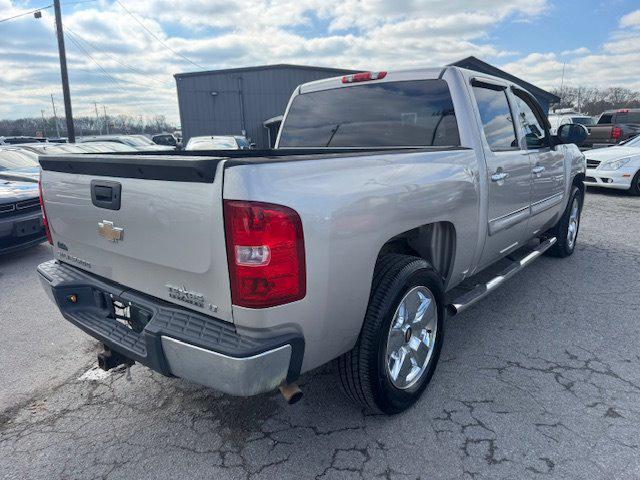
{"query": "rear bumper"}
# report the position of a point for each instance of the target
(619, 179)
(12, 238)
(175, 341)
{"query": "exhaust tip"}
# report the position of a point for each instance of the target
(291, 393)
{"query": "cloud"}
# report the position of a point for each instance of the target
(617, 63)
(376, 34)
(631, 20)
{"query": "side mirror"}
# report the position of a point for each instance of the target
(572, 133)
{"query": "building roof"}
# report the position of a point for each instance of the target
(473, 63)
(337, 71)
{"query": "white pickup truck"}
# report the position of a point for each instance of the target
(385, 206)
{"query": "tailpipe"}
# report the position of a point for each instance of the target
(109, 359)
(291, 393)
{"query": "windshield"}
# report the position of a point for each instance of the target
(16, 160)
(212, 143)
(391, 114)
(586, 121)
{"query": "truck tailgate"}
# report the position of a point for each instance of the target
(165, 239)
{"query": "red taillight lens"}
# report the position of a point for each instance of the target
(616, 133)
(363, 77)
(265, 252)
(44, 214)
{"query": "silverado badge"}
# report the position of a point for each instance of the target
(187, 296)
(110, 232)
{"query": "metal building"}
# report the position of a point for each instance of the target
(239, 101)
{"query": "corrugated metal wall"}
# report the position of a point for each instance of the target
(210, 102)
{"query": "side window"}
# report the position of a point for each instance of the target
(530, 120)
(496, 118)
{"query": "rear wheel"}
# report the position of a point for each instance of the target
(399, 345)
(635, 184)
(567, 228)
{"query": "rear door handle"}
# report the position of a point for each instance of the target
(538, 169)
(106, 194)
(499, 176)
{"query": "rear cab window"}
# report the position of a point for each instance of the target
(386, 114)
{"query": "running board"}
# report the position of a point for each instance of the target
(480, 291)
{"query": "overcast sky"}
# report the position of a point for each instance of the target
(115, 62)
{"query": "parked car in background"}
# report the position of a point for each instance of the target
(18, 164)
(139, 142)
(20, 139)
(89, 147)
(613, 127)
(557, 119)
(615, 167)
(165, 139)
(218, 142)
(21, 220)
(386, 191)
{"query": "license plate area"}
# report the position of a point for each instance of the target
(27, 227)
(128, 314)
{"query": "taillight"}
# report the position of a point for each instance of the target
(363, 77)
(44, 214)
(265, 252)
(616, 133)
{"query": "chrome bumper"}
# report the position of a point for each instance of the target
(236, 376)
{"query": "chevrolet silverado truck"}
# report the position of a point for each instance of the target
(613, 127)
(391, 200)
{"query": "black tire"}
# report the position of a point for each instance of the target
(563, 247)
(363, 371)
(635, 185)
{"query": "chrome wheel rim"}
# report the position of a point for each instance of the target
(574, 221)
(411, 338)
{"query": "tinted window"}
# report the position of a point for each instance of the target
(587, 121)
(531, 123)
(628, 117)
(605, 119)
(416, 113)
(496, 118)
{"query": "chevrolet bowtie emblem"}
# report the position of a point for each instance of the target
(108, 231)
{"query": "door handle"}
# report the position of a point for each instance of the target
(499, 176)
(538, 169)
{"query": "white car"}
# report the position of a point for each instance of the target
(557, 119)
(218, 142)
(615, 167)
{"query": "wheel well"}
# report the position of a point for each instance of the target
(433, 242)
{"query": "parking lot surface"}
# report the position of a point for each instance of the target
(540, 380)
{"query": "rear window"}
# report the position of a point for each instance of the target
(588, 121)
(628, 117)
(392, 114)
(605, 119)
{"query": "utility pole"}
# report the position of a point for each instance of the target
(106, 119)
(44, 124)
(55, 117)
(562, 82)
(95, 104)
(71, 134)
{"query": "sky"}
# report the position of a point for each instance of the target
(124, 54)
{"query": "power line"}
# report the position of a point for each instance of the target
(44, 8)
(133, 69)
(117, 81)
(26, 13)
(157, 38)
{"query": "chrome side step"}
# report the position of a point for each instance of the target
(480, 291)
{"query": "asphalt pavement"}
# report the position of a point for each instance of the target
(539, 380)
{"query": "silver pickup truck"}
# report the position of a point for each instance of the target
(385, 207)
